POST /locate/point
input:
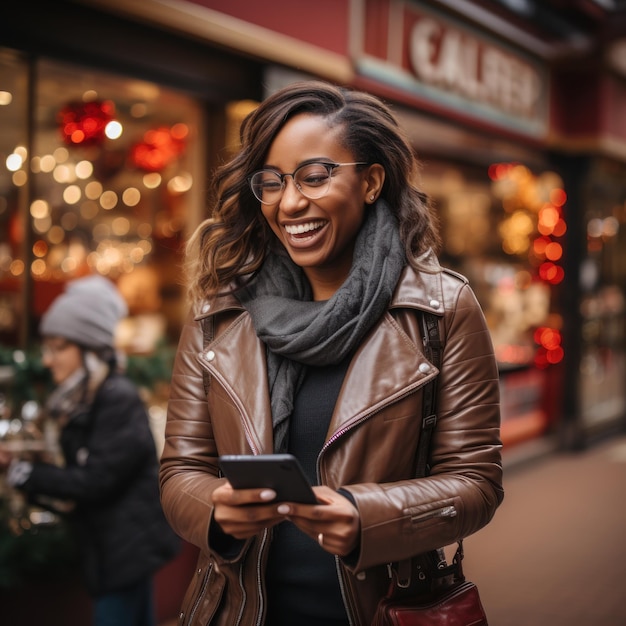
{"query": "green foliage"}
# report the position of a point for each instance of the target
(24, 376)
(149, 370)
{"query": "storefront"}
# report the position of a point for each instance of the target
(603, 307)
(117, 112)
(110, 130)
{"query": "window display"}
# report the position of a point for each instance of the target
(603, 305)
(502, 228)
(13, 178)
(108, 175)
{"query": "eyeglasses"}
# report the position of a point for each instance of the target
(312, 180)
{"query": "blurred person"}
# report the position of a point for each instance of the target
(308, 283)
(109, 480)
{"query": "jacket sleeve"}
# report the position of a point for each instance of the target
(464, 488)
(119, 441)
(189, 470)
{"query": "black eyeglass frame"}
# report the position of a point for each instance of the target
(330, 168)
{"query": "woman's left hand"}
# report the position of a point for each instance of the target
(335, 525)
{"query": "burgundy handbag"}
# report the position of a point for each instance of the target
(425, 591)
(459, 606)
(456, 603)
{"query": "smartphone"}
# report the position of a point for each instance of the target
(280, 472)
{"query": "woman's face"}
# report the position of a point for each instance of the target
(319, 234)
(61, 357)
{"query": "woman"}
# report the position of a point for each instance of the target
(109, 480)
(308, 282)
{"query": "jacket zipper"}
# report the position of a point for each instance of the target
(244, 596)
(342, 588)
(334, 438)
(366, 416)
(254, 450)
(205, 582)
(259, 587)
(258, 576)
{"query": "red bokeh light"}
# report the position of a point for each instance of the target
(160, 146)
(84, 123)
(558, 197)
(551, 273)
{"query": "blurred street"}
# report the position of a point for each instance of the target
(555, 552)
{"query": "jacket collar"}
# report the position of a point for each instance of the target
(416, 289)
(420, 289)
(217, 305)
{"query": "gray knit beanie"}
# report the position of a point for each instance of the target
(87, 313)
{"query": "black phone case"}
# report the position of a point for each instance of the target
(280, 472)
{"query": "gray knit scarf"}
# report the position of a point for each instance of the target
(299, 331)
(74, 396)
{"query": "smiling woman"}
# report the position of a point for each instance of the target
(309, 285)
(317, 218)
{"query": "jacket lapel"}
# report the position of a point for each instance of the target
(387, 366)
(239, 365)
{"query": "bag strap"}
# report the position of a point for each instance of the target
(434, 560)
(433, 348)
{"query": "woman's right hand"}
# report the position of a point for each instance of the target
(243, 513)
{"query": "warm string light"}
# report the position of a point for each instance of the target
(534, 222)
(62, 249)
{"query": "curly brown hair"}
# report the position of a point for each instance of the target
(234, 241)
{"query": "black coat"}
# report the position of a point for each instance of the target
(111, 476)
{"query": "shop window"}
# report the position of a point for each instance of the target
(112, 182)
(100, 174)
(502, 227)
(13, 178)
(603, 302)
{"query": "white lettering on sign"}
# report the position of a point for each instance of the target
(450, 60)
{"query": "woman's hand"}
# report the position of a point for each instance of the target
(334, 523)
(243, 513)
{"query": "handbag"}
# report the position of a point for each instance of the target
(425, 590)
(459, 605)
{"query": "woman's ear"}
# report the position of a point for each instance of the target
(374, 179)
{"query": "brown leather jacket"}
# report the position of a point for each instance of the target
(370, 446)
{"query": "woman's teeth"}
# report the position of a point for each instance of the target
(300, 229)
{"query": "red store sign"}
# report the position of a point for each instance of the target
(452, 65)
(457, 62)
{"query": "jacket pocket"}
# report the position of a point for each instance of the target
(430, 520)
(439, 513)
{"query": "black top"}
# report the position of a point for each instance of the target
(302, 578)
